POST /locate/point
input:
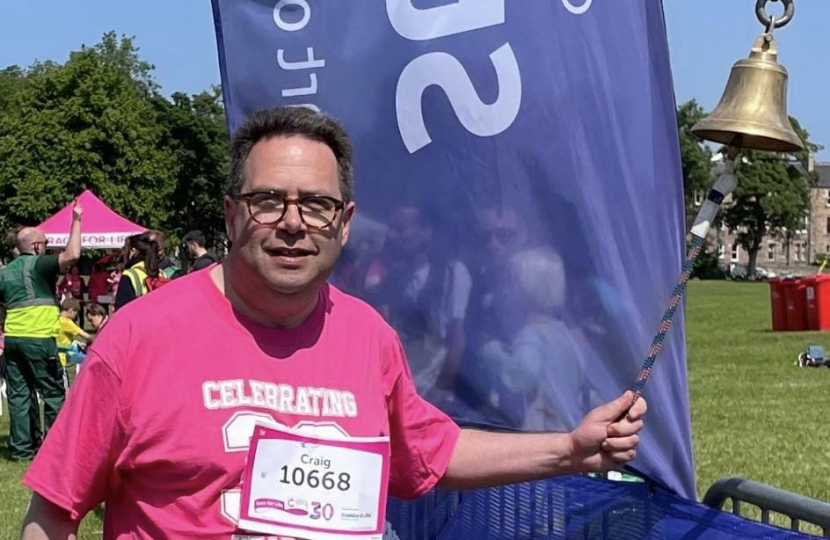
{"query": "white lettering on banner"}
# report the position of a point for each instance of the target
(288, 26)
(446, 71)
(577, 10)
(306, 401)
(418, 24)
(309, 90)
(310, 62)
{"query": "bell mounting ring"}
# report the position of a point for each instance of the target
(772, 23)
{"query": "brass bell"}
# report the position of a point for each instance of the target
(752, 113)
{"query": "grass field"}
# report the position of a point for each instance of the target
(754, 413)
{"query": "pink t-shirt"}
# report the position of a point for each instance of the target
(158, 422)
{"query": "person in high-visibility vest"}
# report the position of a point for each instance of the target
(141, 261)
(34, 409)
(27, 289)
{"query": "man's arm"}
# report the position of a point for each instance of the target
(47, 521)
(72, 253)
(600, 443)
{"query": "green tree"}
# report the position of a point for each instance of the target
(89, 123)
(772, 196)
(695, 158)
(12, 81)
(196, 134)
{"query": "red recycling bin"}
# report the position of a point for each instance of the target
(795, 296)
(818, 302)
(778, 304)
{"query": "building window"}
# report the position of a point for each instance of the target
(827, 194)
(722, 250)
(698, 197)
(771, 252)
(807, 225)
(799, 252)
(828, 225)
(736, 252)
(827, 248)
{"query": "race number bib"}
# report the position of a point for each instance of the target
(315, 488)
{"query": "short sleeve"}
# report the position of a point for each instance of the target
(75, 467)
(422, 437)
(48, 267)
(68, 326)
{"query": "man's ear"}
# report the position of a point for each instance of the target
(348, 215)
(229, 208)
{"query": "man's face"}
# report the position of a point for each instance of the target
(503, 233)
(191, 249)
(407, 234)
(288, 257)
(39, 243)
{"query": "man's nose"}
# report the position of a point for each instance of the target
(292, 222)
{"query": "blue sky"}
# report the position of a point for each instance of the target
(705, 36)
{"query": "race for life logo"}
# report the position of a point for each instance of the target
(438, 68)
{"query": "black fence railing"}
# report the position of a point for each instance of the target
(798, 508)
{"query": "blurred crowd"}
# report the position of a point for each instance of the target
(52, 305)
(482, 322)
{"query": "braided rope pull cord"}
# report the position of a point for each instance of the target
(723, 186)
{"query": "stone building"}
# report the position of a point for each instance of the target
(807, 244)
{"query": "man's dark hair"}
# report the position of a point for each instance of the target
(197, 237)
(286, 122)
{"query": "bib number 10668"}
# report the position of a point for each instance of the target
(328, 481)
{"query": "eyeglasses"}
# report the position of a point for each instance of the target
(41, 242)
(269, 208)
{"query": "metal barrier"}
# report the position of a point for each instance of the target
(769, 499)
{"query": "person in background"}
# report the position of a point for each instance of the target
(68, 351)
(536, 375)
(27, 288)
(34, 410)
(166, 266)
(115, 277)
(3, 358)
(72, 286)
(98, 285)
(425, 296)
(141, 262)
(196, 248)
(97, 317)
(11, 241)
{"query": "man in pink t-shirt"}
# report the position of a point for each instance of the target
(158, 425)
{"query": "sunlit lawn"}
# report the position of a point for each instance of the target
(754, 413)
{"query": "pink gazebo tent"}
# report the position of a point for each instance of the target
(102, 228)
